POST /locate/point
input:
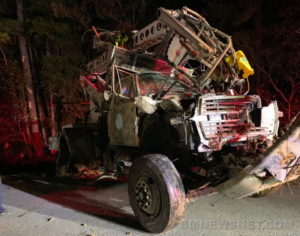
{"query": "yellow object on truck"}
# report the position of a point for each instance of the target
(242, 63)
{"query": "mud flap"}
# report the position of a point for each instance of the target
(79, 141)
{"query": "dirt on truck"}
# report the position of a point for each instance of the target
(171, 111)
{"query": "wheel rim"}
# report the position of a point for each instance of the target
(147, 195)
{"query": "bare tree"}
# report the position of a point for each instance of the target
(286, 88)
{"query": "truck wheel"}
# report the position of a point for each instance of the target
(156, 193)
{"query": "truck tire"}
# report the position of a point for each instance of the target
(156, 193)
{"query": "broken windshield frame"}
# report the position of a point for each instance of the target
(160, 84)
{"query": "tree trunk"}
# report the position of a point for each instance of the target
(34, 121)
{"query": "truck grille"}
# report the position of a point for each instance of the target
(228, 118)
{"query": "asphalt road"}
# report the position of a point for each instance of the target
(42, 207)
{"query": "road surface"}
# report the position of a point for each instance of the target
(42, 207)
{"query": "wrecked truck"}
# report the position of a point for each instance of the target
(171, 111)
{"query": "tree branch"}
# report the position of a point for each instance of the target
(3, 55)
(273, 84)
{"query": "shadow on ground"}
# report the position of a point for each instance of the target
(107, 199)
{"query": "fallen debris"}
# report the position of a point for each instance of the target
(50, 219)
